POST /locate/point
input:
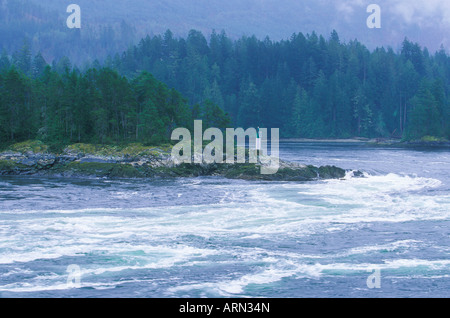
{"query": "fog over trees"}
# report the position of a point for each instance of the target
(103, 84)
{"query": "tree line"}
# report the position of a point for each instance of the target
(307, 86)
(94, 106)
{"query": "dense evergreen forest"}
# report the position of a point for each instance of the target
(308, 86)
(96, 106)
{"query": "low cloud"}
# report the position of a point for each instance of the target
(422, 13)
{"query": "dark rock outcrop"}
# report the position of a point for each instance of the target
(157, 164)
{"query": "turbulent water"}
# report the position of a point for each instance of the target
(385, 235)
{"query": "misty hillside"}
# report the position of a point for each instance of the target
(39, 28)
(423, 22)
(305, 79)
(110, 27)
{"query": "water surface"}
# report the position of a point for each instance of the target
(213, 237)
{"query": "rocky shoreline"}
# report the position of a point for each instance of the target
(149, 163)
(409, 144)
(382, 142)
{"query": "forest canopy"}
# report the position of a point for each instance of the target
(308, 86)
(96, 106)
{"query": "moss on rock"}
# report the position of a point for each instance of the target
(125, 171)
(331, 172)
(139, 161)
(9, 167)
(242, 171)
(34, 146)
(128, 150)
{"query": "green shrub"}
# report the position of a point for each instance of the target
(35, 146)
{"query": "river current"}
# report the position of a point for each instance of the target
(384, 235)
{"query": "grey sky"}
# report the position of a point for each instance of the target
(423, 21)
(423, 13)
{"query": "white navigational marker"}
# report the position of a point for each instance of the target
(258, 140)
(214, 151)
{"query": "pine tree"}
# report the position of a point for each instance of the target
(22, 59)
(38, 65)
(4, 61)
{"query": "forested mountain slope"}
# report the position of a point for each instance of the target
(308, 85)
(111, 26)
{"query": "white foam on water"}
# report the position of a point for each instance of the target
(390, 247)
(267, 276)
(236, 286)
(389, 198)
(284, 269)
(60, 285)
(279, 270)
(361, 187)
(60, 211)
(44, 253)
(348, 202)
(343, 269)
(90, 240)
(155, 257)
(412, 263)
(144, 257)
(152, 238)
(16, 271)
(126, 194)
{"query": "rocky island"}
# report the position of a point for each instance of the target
(138, 161)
